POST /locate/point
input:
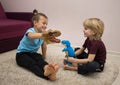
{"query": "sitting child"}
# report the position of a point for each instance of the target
(27, 55)
(94, 60)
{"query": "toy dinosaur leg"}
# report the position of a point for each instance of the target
(67, 62)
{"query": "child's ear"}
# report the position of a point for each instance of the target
(94, 32)
(34, 22)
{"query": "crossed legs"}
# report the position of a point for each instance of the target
(74, 66)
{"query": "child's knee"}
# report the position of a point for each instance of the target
(89, 67)
(82, 69)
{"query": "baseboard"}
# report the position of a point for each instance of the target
(113, 53)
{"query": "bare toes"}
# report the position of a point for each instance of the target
(48, 71)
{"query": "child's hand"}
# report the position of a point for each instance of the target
(54, 33)
(44, 57)
(71, 59)
(47, 33)
(50, 36)
(66, 56)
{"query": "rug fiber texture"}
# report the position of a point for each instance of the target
(12, 74)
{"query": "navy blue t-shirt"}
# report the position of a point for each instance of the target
(96, 47)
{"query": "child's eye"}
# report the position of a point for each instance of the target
(85, 28)
(44, 23)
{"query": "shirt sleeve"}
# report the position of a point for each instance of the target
(29, 30)
(85, 43)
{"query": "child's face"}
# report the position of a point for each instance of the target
(88, 32)
(41, 25)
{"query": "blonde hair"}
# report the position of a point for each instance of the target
(95, 25)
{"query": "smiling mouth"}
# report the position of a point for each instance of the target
(42, 30)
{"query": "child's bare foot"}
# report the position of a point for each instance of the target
(66, 67)
(48, 70)
(53, 75)
(56, 67)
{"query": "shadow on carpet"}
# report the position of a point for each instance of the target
(11, 74)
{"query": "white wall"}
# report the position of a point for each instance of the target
(68, 15)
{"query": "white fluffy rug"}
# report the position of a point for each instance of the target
(11, 74)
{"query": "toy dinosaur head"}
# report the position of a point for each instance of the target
(66, 42)
(51, 37)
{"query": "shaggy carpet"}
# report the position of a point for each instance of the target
(11, 74)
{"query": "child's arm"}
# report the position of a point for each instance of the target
(44, 49)
(79, 51)
(82, 61)
(35, 35)
(38, 35)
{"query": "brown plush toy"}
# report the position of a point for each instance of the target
(51, 36)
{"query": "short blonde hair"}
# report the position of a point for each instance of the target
(95, 25)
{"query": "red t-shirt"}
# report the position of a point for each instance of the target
(96, 47)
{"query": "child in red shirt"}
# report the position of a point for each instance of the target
(94, 59)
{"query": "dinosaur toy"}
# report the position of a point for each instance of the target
(68, 50)
(50, 37)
